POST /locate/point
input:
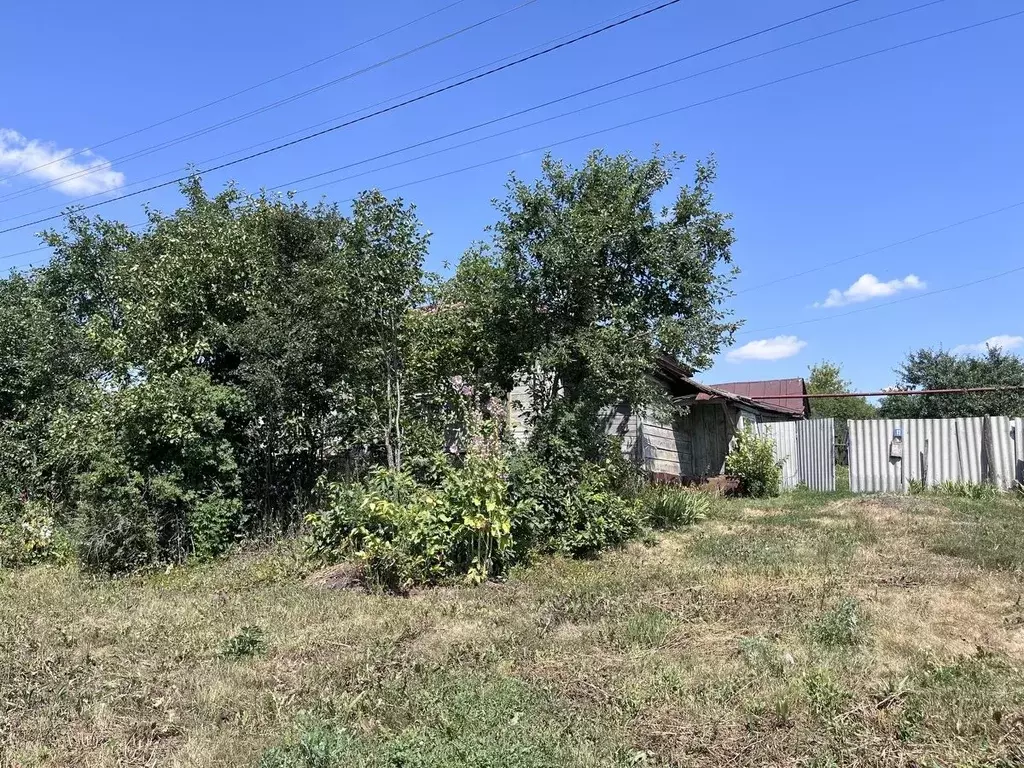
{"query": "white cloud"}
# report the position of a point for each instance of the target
(867, 287)
(44, 161)
(778, 348)
(1004, 343)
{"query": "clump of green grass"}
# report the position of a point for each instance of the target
(645, 628)
(959, 489)
(442, 721)
(842, 626)
(987, 533)
(250, 641)
(670, 507)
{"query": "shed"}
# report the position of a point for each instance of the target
(689, 447)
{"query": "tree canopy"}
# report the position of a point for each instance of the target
(167, 391)
(939, 369)
(827, 378)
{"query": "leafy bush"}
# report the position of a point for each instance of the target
(250, 641)
(406, 533)
(671, 506)
(32, 537)
(752, 461)
(574, 512)
(154, 475)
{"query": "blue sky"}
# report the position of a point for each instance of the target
(816, 169)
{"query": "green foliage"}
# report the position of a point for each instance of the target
(406, 533)
(938, 369)
(155, 475)
(752, 461)
(166, 392)
(250, 641)
(586, 283)
(577, 513)
(841, 626)
(672, 506)
(31, 537)
(827, 378)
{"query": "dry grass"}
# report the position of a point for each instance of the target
(802, 631)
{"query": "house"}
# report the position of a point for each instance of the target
(689, 447)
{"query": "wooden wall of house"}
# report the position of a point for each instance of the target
(691, 446)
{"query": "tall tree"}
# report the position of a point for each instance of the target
(827, 378)
(939, 369)
(593, 282)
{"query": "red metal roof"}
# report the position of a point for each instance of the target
(762, 392)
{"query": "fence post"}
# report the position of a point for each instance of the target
(988, 465)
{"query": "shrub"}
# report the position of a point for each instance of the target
(576, 513)
(31, 537)
(155, 477)
(406, 533)
(250, 641)
(752, 461)
(117, 532)
(671, 506)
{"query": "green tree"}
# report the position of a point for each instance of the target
(827, 378)
(223, 359)
(939, 369)
(590, 282)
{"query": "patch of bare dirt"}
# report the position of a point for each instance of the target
(341, 576)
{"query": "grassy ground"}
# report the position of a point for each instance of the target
(811, 630)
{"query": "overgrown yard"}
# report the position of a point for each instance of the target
(807, 630)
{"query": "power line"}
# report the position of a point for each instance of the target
(601, 86)
(885, 304)
(259, 110)
(693, 105)
(376, 113)
(176, 171)
(222, 99)
(881, 248)
(596, 104)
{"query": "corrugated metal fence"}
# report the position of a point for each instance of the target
(935, 451)
(806, 452)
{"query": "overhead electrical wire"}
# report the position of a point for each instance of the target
(729, 95)
(385, 110)
(177, 171)
(879, 249)
(600, 86)
(703, 102)
(259, 110)
(235, 94)
(873, 307)
(594, 105)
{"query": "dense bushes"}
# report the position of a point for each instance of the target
(752, 462)
(472, 521)
(407, 532)
(167, 391)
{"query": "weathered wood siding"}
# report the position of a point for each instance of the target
(691, 446)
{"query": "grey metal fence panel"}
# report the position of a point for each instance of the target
(871, 469)
(1017, 433)
(934, 451)
(816, 460)
(1003, 460)
(783, 435)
